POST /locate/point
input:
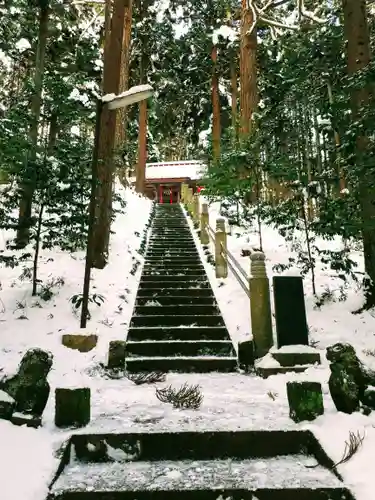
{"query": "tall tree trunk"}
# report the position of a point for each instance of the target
(142, 147)
(340, 174)
(106, 33)
(358, 57)
(27, 187)
(111, 84)
(216, 121)
(142, 133)
(234, 93)
(248, 69)
(124, 76)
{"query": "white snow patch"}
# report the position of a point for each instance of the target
(22, 45)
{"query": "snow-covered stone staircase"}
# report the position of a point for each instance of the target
(242, 465)
(176, 323)
(177, 327)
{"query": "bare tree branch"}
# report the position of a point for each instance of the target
(268, 5)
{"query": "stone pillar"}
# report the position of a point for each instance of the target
(196, 208)
(260, 305)
(290, 311)
(189, 199)
(221, 265)
(183, 192)
(205, 239)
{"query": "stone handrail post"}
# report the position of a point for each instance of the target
(196, 207)
(260, 305)
(221, 263)
(205, 239)
(189, 198)
(183, 192)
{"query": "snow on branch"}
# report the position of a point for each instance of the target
(260, 13)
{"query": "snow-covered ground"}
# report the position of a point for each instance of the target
(234, 401)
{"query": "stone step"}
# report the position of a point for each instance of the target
(185, 292)
(260, 443)
(177, 310)
(280, 478)
(190, 266)
(164, 227)
(175, 300)
(172, 252)
(173, 272)
(161, 258)
(173, 247)
(173, 277)
(195, 465)
(182, 364)
(177, 261)
(169, 229)
(163, 221)
(177, 238)
(190, 284)
(177, 241)
(167, 222)
(178, 333)
(173, 348)
(174, 320)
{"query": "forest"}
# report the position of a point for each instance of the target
(275, 96)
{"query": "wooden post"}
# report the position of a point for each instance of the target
(221, 265)
(205, 239)
(260, 305)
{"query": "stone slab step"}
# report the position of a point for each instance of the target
(266, 479)
(161, 245)
(175, 236)
(178, 333)
(176, 260)
(172, 348)
(174, 320)
(171, 225)
(177, 310)
(185, 292)
(173, 277)
(175, 239)
(203, 445)
(174, 271)
(173, 251)
(185, 283)
(164, 221)
(182, 364)
(195, 264)
(167, 254)
(173, 300)
(181, 227)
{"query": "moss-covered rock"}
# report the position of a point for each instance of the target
(117, 354)
(7, 404)
(349, 379)
(29, 387)
(305, 400)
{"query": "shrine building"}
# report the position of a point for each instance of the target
(164, 180)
